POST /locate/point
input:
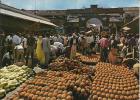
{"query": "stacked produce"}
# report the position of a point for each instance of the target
(53, 85)
(65, 64)
(12, 76)
(88, 59)
(113, 82)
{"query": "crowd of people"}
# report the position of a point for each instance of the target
(42, 48)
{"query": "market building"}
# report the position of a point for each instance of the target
(79, 18)
(37, 62)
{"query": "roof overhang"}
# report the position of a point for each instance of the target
(134, 19)
(14, 12)
(126, 28)
(25, 17)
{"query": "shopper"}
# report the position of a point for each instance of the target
(53, 50)
(19, 53)
(73, 43)
(65, 40)
(9, 42)
(16, 39)
(132, 42)
(7, 58)
(46, 48)
(24, 42)
(97, 47)
(90, 41)
(122, 40)
(60, 47)
(123, 52)
(9, 38)
(113, 42)
(2, 45)
(16, 43)
(83, 44)
(59, 39)
(39, 51)
(30, 48)
(104, 44)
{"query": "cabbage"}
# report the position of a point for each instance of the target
(13, 82)
(24, 67)
(3, 84)
(11, 76)
(2, 91)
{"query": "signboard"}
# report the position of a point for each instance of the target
(71, 18)
(114, 19)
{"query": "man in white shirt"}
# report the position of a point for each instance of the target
(24, 44)
(89, 40)
(16, 39)
(58, 45)
(19, 52)
(53, 51)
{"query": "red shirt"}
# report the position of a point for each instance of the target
(104, 42)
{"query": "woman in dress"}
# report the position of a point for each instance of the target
(39, 51)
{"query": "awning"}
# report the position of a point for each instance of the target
(134, 25)
(113, 19)
(89, 32)
(21, 16)
(135, 19)
(93, 25)
(126, 28)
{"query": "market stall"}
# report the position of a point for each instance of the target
(67, 79)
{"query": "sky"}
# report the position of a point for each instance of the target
(69, 4)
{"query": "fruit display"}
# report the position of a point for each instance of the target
(65, 64)
(67, 79)
(12, 76)
(54, 85)
(88, 59)
(112, 82)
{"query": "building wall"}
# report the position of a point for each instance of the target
(59, 17)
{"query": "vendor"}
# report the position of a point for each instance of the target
(59, 46)
(53, 50)
(7, 58)
(113, 58)
(136, 68)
